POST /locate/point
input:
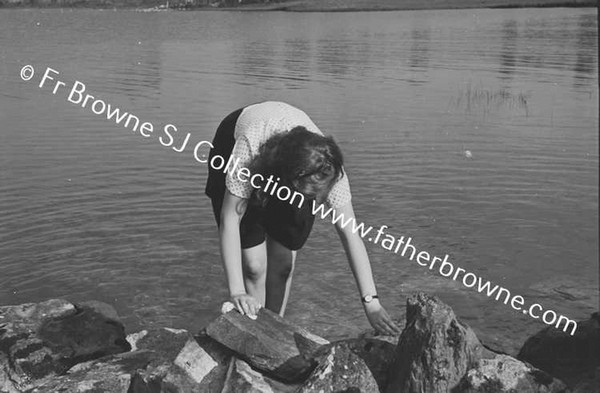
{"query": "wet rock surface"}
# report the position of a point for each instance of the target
(569, 357)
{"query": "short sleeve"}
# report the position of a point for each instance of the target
(340, 193)
(243, 152)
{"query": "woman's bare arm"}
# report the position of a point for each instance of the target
(361, 269)
(232, 211)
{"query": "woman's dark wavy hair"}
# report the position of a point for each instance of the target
(305, 161)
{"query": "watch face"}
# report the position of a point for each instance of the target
(368, 298)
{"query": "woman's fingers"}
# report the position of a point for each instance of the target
(391, 328)
(391, 325)
(384, 324)
(241, 304)
(252, 309)
(385, 329)
(247, 305)
(240, 308)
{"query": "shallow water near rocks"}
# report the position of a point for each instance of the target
(475, 132)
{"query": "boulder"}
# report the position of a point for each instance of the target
(7, 384)
(505, 374)
(435, 349)
(571, 358)
(38, 340)
(205, 361)
(184, 363)
(377, 353)
(114, 374)
(339, 370)
(165, 360)
(241, 378)
(589, 385)
(269, 343)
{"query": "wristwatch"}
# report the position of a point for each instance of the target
(368, 298)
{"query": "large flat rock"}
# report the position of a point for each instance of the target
(269, 343)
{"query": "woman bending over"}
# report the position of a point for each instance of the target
(264, 213)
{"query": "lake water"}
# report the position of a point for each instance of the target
(475, 132)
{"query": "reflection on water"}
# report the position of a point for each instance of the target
(333, 57)
(509, 47)
(92, 210)
(587, 38)
(419, 49)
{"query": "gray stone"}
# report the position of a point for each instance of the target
(166, 360)
(571, 358)
(183, 363)
(7, 384)
(435, 349)
(505, 374)
(205, 361)
(377, 354)
(166, 341)
(340, 370)
(589, 385)
(114, 374)
(242, 378)
(45, 339)
(269, 343)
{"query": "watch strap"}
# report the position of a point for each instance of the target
(369, 298)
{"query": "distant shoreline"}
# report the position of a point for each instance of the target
(303, 5)
(415, 5)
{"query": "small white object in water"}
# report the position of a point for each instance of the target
(226, 307)
(468, 154)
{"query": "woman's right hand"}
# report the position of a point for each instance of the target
(246, 304)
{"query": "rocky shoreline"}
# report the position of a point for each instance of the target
(57, 346)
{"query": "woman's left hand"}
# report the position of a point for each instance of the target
(380, 319)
